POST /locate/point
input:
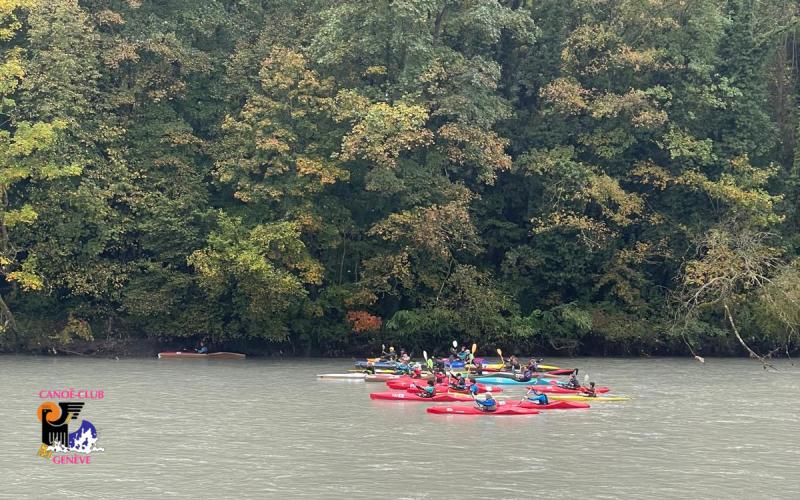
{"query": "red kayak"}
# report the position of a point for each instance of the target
(557, 389)
(552, 405)
(471, 410)
(442, 388)
(406, 383)
(407, 396)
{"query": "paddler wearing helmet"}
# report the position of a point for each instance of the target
(488, 404)
(473, 386)
(589, 391)
(460, 384)
(573, 382)
(428, 391)
(538, 397)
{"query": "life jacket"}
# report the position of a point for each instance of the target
(489, 405)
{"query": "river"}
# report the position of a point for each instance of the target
(262, 428)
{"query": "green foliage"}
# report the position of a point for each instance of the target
(518, 173)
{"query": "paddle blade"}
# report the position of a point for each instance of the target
(474, 348)
(455, 344)
(500, 353)
(425, 355)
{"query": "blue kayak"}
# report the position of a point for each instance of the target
(508, 381)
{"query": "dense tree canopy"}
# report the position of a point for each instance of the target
(565, 175)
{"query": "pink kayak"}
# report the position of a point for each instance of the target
(406, 383)
(442, 388)
(471, 410)
(407, 396)
(560, 371)
(557, 389)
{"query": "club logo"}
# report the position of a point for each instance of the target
(64, 441)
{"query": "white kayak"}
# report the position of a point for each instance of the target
(345, 376)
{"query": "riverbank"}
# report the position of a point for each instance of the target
(148, 348)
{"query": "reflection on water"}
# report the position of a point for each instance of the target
(269, 429)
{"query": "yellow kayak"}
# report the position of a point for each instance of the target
(595, 399)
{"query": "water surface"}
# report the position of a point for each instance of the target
(269, 429)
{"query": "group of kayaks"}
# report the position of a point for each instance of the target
(489, 378)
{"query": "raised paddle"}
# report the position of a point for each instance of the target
(472, 354)
(502, 361)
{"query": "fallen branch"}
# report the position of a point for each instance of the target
(753, 354)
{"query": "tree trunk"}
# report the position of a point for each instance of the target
(7, 316)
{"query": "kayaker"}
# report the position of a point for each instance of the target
(463, 354)
(533, 365)
(589, 391)
(404, 357)
(440, 376)
(538, 397)
(513, 362)
(573, 382)
(391, 355)
(202, 348)
(460, 383)
(428, 391)
(417, 371)
(473, 386)
(525, 376)
(403, 369)
(488, 404)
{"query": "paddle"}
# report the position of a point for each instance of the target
(502, 361)
(472, 354)
(428, 363)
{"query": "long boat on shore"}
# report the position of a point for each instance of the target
(196, 355)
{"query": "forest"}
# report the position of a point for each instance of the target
(323, 176)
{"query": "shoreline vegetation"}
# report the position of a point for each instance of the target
(144, 348)
(564, 177)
